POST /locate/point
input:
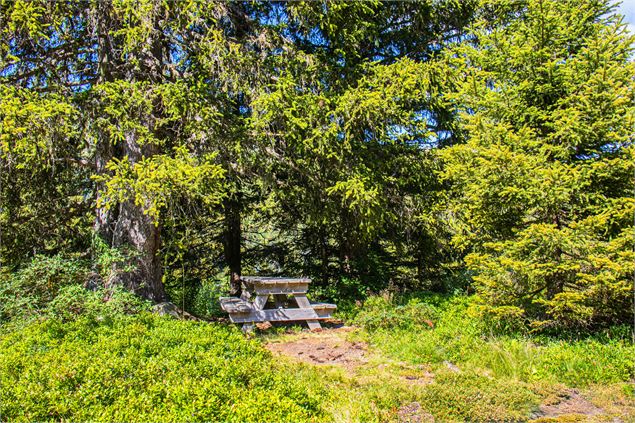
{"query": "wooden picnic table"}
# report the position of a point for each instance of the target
(285, 291)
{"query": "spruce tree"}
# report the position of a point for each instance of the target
(542, 189)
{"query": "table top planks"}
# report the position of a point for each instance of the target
(274, 280)
(247, 311)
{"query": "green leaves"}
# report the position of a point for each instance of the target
(549, 118)
(36, 130)
(155, 182)
(144, 367)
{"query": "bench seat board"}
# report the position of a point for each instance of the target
(273, 280)
(279, 315)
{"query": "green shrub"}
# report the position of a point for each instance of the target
(145, 368)
(205, 302)
(73, 302)
(472, 397)
(381, 312)
(26, 293)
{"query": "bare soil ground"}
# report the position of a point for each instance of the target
(572, 406)
(413, 413)
(572, 403)
(325, 347)
(330, 347)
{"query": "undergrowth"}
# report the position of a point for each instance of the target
(72, 354)
(146, 368)
(443, 330)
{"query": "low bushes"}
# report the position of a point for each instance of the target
(25, 293)
(145, 368)
(401, 329)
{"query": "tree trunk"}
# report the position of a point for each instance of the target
(126, 227)
(232, 242)
(346, 254)
(138, 237)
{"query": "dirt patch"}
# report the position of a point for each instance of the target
(571, 404)
(323, 348)
(413, 413)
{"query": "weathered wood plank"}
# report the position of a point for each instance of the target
(303, 303)
(273, 280)
(260, 301)
(277, 315)
(235, 305)
(286, 290)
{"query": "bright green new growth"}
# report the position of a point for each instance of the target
(145, 368)
(543, 186)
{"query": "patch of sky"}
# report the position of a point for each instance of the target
(627, 8)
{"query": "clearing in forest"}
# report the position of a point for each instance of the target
(368, 385)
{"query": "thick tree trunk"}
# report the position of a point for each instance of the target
(126, 227)
(138, 236)
(232, 242)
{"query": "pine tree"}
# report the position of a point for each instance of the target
(543, 191)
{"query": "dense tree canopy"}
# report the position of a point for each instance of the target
(483, 146)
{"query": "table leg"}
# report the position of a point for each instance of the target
(260, 301)
(259, 304)
(303, 302)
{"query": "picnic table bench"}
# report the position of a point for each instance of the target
(247, 311)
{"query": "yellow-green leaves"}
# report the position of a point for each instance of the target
(127, 107)
(26, 16)
(154, 182)
(544, 181)
(34, 127)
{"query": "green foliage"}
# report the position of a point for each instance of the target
(75, 302)
(462, 338)
(145, 368)
(30, 123)
(542, 187)
(379, 312)
(156, 182)
(26, 293)
(473, 397)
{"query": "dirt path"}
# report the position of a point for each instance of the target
(331, 347)
(326, 347)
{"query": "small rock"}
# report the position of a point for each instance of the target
(452, 367)
(166, 308)
(264, 325)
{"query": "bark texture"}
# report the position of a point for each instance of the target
(232, 242)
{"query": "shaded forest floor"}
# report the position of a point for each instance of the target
(365, 379)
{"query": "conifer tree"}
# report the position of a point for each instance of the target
(542, 189)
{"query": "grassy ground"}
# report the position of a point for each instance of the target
(429, 358)
(415, 359)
